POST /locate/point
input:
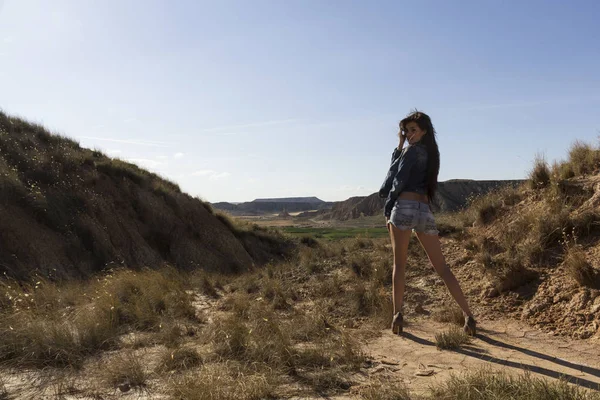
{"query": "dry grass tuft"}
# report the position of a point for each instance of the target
(47, 326)
(584, 159)
(280, 298)
(179, 360)
(371, 300)
(580, 269)
(222, 382)
(327, 287)
(142, 300)
(539, 176)
(310, 261)
(239, 303)
(453, 338)
(311, 326)
(385, 389)
(262, 339)
(359, 243)
(491, 385)
(170, 334)
(361, 264)
(325, 381)
(125, 369)
(485, 209)
(37, 340)
(506, 270)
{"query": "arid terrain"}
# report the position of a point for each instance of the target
(214, 307)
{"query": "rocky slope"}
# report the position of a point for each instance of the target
(538, 258)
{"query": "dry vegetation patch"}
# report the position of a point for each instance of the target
(225, 381)
(180, 359)
(492, 385)
(450, 339)
(580, 269)
(125, 370)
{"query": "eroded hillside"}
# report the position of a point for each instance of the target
(67, 211)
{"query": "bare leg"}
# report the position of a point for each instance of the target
(433, 248)
(400, 239)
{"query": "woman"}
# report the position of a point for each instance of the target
(409, 187)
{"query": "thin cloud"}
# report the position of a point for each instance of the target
(130, 141)
(250, 125)
(203, 172)
(211, 174)
(177, 156)
(221, 175)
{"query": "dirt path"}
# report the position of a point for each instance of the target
(508, 345)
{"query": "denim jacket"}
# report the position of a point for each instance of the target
(407, 173)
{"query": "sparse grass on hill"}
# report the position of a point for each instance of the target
(69, 212)
(506, 270)
(584, 159)
(580, 269)
(484, 209)
(539, 176)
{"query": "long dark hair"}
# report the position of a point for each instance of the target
(433, 159)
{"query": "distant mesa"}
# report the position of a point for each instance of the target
(274, 205)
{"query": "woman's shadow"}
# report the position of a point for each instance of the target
(476, 353)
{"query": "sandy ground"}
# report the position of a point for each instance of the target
(507, 345)
(412, 358)
(504, 345)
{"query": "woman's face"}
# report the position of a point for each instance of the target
(413, 132)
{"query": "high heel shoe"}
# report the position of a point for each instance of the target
(397, 323)
(470, 327)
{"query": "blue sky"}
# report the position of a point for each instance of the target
(236, 100)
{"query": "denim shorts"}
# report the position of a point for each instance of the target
(412, 214)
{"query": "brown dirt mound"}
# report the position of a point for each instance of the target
(67, 211)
